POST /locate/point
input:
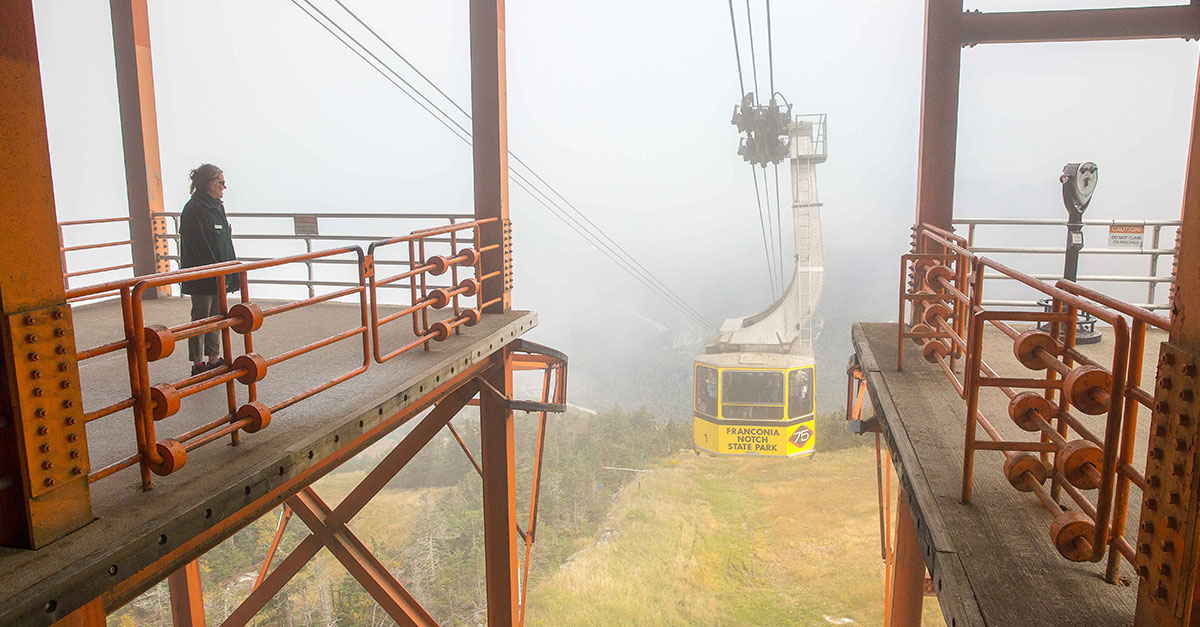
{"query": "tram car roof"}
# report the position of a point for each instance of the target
(778, 361)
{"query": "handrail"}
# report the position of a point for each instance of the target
(152, 402)
(942, 284)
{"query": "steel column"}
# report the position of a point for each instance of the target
(43, 448)
(139, 137)
(1169, 535)
(939, 113)
(187, 596)
(499, 495)
(489, 130)
(908, 572)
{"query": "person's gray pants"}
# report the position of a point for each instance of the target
(203, 306)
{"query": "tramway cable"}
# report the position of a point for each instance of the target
(778, 200)
(762, 223)
(630, 264)
(515, 157)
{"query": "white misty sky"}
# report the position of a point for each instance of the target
(624, 106)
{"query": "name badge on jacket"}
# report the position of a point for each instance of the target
(219, 227)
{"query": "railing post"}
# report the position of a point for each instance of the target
(1155, 231)
(908, 572)
(308, 247)
(139, 138)
(44, 491)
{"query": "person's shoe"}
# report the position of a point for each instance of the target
(198, 368)
(213, 365)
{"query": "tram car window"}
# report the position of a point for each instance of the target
(749, 394)
(706, 391)
(800, 393)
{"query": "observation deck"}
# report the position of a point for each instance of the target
(991, 561)
(189, 511)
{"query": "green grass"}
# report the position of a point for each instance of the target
(731, 541)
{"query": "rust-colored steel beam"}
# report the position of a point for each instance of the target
(139, 138)
(499, 493)
(354, 501)
(1168, 583)
(372, 575)
(908, 572)
(939, 112)
(89, 615)
(43, 448)
(1165, 22)
(187, 596)
(489, 131)
(284, 515)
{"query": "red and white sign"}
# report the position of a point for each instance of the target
(1125, 235)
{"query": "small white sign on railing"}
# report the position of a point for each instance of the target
(305, 225)
(1125, 235)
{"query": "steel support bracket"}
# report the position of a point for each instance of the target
(519, 405)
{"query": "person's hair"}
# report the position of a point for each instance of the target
(203, 176)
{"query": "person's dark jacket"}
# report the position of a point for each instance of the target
(204, 238)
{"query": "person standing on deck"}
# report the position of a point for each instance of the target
(205, 238)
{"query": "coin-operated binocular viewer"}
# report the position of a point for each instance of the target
(1078, 184)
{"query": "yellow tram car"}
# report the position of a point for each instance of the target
(754, 404)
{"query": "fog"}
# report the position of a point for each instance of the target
(625, 108)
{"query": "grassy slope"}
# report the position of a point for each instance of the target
(723, 541)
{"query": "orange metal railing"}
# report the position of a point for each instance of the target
(942, 284)
(153, 401)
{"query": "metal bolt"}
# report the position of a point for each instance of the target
(59, 332)
(32, 356)
(76, 470)
(1174, 498)
(70, 420)
(67, 404)
(1168, 358)
(1184, 419)
(39, 412)
(71, 437)
(63, 367)
(1190, 370)
(35, 374)
(37, 391)
(74, 454)
(1154, 482)
(1181, 444)
(1172, 523)
(31, 339)
(1146, 548)
(1160, 430)
(1168, 546)
(1163, 407)
(42, 431)
(1165, 569)
(65, 384)
(60, 349)
(1156, 453)
(1152, 504)
(1143, 572)
(47, 465)
(1186, 395)
(1148, 526)
(48, 481)
(58, 314)
(1177, 470)
(1166, 383)
(45, 448)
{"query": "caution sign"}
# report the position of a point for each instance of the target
(1125, 235)
(776, 441)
